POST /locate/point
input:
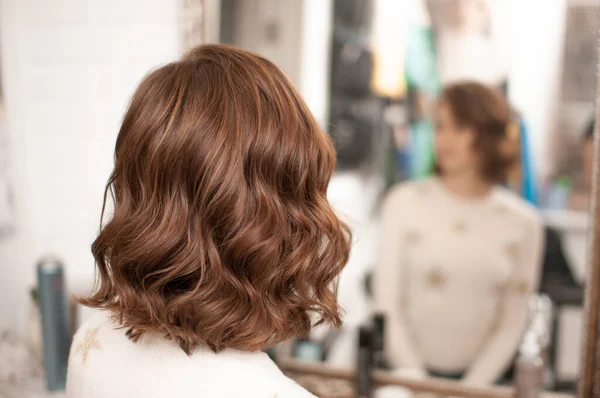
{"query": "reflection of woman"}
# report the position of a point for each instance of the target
(452, 41)
(460, 254)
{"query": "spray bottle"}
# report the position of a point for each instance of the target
(530, 367)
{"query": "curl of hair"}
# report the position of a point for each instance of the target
(221, 233)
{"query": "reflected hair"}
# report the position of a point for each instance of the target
(484, 110)
(221, 233)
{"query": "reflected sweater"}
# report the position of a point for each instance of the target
(105, 363)
(454, 277)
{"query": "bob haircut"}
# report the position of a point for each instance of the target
(221, 233)
(486, 112)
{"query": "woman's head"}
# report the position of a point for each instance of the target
(470, 132)
(221, 234)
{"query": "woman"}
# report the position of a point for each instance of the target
(221, 243)
(460, 254)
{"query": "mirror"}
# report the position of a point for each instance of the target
(464, 134)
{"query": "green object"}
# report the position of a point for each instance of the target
(564, 182)
(422, 75)
(422, 160)
(421, 66)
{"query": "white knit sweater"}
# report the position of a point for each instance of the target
(454, 277)
(104, 363)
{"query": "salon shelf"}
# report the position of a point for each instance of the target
(572, 225)
(566, 220)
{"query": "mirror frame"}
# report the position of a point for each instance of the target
(589, 368)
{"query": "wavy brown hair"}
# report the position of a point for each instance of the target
(221, 234)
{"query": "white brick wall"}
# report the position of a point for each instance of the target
(69, 68)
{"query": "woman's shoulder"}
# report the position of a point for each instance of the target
(290, 389)
(100, 344)
(98, 319)
(510, 203)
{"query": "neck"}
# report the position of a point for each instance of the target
(466, 184)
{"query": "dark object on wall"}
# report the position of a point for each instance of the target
(352, 133)
(352, 61)
(355, 116)
(352, 67)
(227, 21)
(354, 15)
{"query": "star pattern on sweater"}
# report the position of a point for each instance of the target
(460, 227)
(413, 237)
(521, 287)
(436, 279)
(512, 249)
(89, 341)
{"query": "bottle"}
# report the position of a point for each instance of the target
(379, 361)
(540, 323)
(364, 365)
(55, 322)
(558, 196)
(529, 368)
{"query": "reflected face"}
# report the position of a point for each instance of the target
(453, 144)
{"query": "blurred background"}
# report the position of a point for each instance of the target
(369, 70)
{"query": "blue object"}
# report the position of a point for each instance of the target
(529, 189)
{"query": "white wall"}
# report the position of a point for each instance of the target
(271, 28)
(300, 44)
(315, 56)
(535, 66)
(212, 20)
(69, 67)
